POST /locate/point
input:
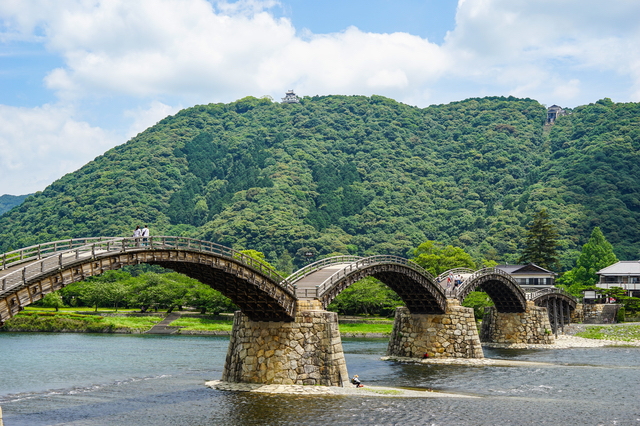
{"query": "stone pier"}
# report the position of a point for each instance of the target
(531, 326)
(453, 334)
(307, 351)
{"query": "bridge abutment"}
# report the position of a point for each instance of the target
(453, 334)
(531, 326)
(307, 351)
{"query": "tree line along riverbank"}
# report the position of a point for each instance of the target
(70, 321)
(130, 322)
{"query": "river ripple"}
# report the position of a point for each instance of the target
(81, 379)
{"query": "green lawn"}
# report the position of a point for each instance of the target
(202, 324)
(621, 332)
(366, 328)
(81, 309)
(41, 320)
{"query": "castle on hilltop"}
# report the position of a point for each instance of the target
(290, 98)
(553, 112)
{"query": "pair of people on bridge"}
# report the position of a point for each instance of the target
(138, 233)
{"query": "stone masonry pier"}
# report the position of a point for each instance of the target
(531, 326)
(307, 351)
(453, 334)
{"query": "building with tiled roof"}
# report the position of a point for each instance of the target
(530, 277)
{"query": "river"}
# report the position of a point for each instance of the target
(101, 379)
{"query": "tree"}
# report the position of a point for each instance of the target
(437, 259)
(53, 300)
(203, 297)
(596, 254)
(368, 296)
(541, 243)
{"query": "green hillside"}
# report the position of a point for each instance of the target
(352, 174)
(7, 202)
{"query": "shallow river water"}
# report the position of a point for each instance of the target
(85, 379)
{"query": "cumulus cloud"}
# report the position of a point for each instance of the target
(147, 117)
(224, 50)
(39, 145)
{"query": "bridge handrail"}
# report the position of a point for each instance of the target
(454, 271)
(37, 251)
(64, 258)
(319, 264)
(329, 282)
(549, 290)
(480, 273)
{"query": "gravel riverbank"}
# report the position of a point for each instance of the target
(330, 390)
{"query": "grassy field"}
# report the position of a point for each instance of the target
(366, 328)
(83, 309)
(202, 324)
(622, 332)
(69, 321)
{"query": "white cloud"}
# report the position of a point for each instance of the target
(39, 145)
(201, 51)
(145, 118)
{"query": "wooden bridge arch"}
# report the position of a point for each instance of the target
(327, 278)
(503, 289)
(27, 275)
(559, 304)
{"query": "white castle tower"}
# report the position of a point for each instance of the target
(290, 98)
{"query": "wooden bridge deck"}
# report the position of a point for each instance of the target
(306, 287)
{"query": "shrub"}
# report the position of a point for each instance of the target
(620, 316)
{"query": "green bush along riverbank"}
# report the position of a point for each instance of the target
(67, 321)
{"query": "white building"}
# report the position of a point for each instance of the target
(530, 277)
(624, 274)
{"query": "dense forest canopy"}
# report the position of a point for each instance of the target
(7, 202)
(357, 175)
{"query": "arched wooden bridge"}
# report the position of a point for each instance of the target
(26, 275)
(508, 296)
(559, 304)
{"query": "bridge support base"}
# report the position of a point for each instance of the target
(531, 326)
(453, 334)
(307, 351)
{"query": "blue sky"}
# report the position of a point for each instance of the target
(79, 77)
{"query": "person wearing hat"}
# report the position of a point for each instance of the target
(356, 381)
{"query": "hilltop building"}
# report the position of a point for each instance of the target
(553, 112)
(290, 98)
(530, 277)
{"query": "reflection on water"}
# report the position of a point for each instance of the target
(84, 379)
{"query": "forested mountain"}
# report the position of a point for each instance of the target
(360, 175)
(7, 202)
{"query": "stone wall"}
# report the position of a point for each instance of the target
(577, 315)
(452, 334)
(531, 326)
(599, 313)
(307, 351)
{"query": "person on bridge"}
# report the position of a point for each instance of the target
(145, 235)
(137, 234)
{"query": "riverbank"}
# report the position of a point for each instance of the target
(188, 323)
(366, 391)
